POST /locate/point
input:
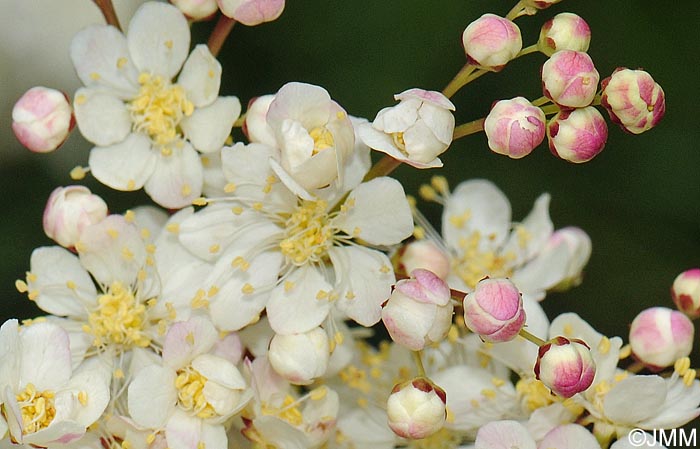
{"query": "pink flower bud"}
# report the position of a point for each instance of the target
(539, 4)
(686, 292)
(565, 31)
(416, 408)
(42, 119)
(494, 310)
(491, 41)
(577, 135)
(427, 255)
(514, 127)
(252, 12)
(570, 79)
(565, 366)
(68, 211)
(300, 358)
(197, 9)
(633, 100)
(419, 311)
(659, 336)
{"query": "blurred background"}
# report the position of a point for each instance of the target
(639, 200)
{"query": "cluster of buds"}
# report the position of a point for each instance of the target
(247, 12)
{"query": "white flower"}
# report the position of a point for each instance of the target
(145, 127)
(44, 401)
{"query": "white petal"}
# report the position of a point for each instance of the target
(294, 308)
(280, 434)
(10, 350)
(289, 182)
(92, 377)
(504, 435)
(368, 427)
(152, 396)
(201, 76)
(301, 102)
(177, 179)
(647, 393)
(363, 282)
(101, 117)
(124, 166)
(45, 359)
(440, 121)
(544, 271)
(530, 236)
(208, 127)
(570, 436)
(219, 370)
(186, 340)
(57, 432)
(158, 39)
(397, 118)
(184, 431)
(380, 214)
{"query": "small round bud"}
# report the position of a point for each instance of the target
(514, 127)
(570, 79)
(565, 31)
(659, 336)
(491, 41)
(633, 100)
(416, 408)
(539, 4)
(300, 358)
(419, 311)
(427, 255)
(565, 366)
(42, 119)
(252, 12)
(686, 292)
(197, 9)
(494, 310)
(577, 135)
(579, 247)
(68, 211)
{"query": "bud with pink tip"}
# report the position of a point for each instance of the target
(686, 292)
(539, 4)
(300, 358)
(419, 311)
(416, 408)
(578, 245)
(491, 41)
(514, 127)
(565, 31)
(42, 119)
(252, 12)
(577, 135)
(197, 9)
(427, 255)
(633, 100)
(494, 310)
(68, 211)
(570, 79)
(565, 366)
(659, 336)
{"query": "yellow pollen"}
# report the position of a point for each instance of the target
(169, 44)
(427, 192)
(213, 249)
(213, 290)
(150, 438)
(523, 235)
(131, 185)
(78, 173)
(31, 277)
(127, 254)
(205, 161)
(419, 232)
(118, 373)
(33, 295)
(118, 319)
(257, 206)
(398, 140)
(210, 73)
(442, 439)
(497, 382)
(150, 248)
(121, 62)
(189, 338)
(126, 444)
(240, 263)
(288, 286)
(80, 99)
(362, 402)
(129, 216)
(355, 378)
(201, 445)
(440, 184)
(247, 289)
(186, 190)
(384, 269)
(308, 233)
(289, 411)
(37, 409)
(321, 294)
(568, 330)
(83, 398)
(625, 352)
(682, 365)
(338, 338)
(475, 263)
(173, 228)
(689, 378)
(534, 394)
(318, 393)
(604, 345)
(230, 187)
(237, 210)
(95, 76)
(488, 393)
(323, 139)
(190, 393)
(350, 295)
(21, 286)
(199, 202)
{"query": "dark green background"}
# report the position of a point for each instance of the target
(639, 200)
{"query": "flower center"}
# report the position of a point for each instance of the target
(442, 439)
(534, 394)
(288, 411)
(473, 264)
(308, 233)
(119, 319)
(190, 393)
(37, 409)
(158, 108)
(398, 141)
(323, 139)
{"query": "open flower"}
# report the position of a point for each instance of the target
(146, 128)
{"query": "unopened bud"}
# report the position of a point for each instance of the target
(514, 127)
(427, 255)
(252, 12)
(300, 358)
(491, 42)
(659, 336)
(570, 79)
(633, 100)
(255, 126)
(565, 31)
(419, 311)
(494, 310)
(68, 211)
(686, 292)
(197, 9)
(579, 247)
(577, 135)
(565, 366)
(416, 409)
(42, 119)
(539, 4)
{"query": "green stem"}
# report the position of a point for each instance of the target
(218, 36)
(468, 128)
(383, 167)
(516, 11)
(460, 79)
(532, 338)
(540, 101)
(534, 48)
(108, 12)
(551, 109)
(419, 363)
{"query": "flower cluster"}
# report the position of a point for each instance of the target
(240, 313)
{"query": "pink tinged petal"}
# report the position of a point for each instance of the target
(209, 127)
(201, 76)
(102, 118)
(363, 279)
(256, 126)
(183, 431)
(45, 360)
(42, 119)
(10, 350)
(58, 432)
(504, 435)
(252, 12)
(378, 213)
(427, 96)
(55, 295)
(647, 393)
(158, 39)
(152, 396)
(300, 303)
(93, 377)
(177, 179)
(101, 58)
(397, 118)
(124, 166)
(408, 321)
(186, 340)
(569, 436)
